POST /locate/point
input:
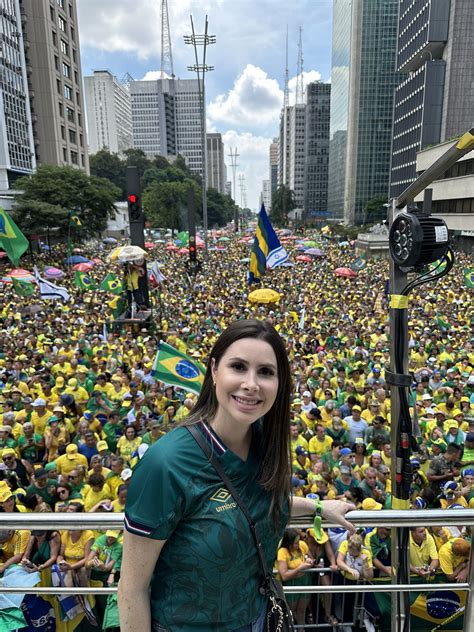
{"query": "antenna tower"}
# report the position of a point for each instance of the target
(242, 190)
(233, 163)
(299, 72)
(166, 52)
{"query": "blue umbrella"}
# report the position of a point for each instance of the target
(71, 261)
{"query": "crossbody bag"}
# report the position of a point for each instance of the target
(279, 617)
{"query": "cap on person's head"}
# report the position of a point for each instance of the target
(449, 486)
(8, 452)
(111, 533)
(60, 380)
(102, 445)
(27, 424)
(27, 400)
(301, 451)
(420, 503)
(88, 415)
(39, 401)
(345, 452)
(415, 462)
(53, 419)
(426, 397)
(470, 437)
(468, 472)
(306, 394)
(49, 467)
(430, 411)
(345, 469)
(58, 409)
(369, 504)
(296, 402)
(5, 493)
(438, 411)
(452, 423)
(297, 482)
(5, 429)
(321, 539)
(40, 472)
(356, 407)
(71, 451)
(126, 474)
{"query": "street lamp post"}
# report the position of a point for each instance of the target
(200, 69)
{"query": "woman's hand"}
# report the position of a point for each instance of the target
(355, 573)
(335, 510)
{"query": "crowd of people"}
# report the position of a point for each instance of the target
(80, 406)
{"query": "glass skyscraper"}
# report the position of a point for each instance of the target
(363, 85)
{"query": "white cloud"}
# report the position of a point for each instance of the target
(308, 77)
(253, 161)
(254, 100)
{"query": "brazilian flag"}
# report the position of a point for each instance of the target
(118, 305)
(173, 367)
(468, 277)
(12, 240)
(84, 281)
(23, 288)
(112, 284)
(75, 221)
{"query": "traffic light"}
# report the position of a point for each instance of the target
(134, 207)
(192, 251)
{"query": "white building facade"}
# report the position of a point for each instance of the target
(109, 113)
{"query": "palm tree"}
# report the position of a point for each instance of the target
(283, 202)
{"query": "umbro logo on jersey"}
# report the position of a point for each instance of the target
(222, 496)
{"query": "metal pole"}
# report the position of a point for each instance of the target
(398, 281)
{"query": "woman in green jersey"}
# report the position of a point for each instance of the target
(185, 535)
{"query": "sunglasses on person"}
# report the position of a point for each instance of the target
(71, 478)
(7, 458)
(62, 491)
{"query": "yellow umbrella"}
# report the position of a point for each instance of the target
(325, 229)
(132, 254)
(264, 295)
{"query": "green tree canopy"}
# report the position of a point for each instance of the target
(283, 202)
(107, 165)
(53, 194)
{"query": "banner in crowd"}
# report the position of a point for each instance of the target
(50, 291)
(173, 367)
(469, 277)
(267, 250)
(112, 283)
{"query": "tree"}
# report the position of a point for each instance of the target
(151, 175)
(220, 208)
(375, 210)
(283, 202)
(53, 194)
(107, 165)
(137, 158)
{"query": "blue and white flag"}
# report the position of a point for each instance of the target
(50, 291)
(267, 250)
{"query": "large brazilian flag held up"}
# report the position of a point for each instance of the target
(12, 240)
(173, 367)
(266, 250)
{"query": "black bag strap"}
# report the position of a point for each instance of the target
(204, 445)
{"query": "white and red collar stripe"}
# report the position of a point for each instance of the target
(213, 439)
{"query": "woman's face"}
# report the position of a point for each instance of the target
(130, 432)
(246, 381)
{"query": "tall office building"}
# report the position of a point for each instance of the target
(292, 150)
(363, 82)
(216, 171)
(434, 101)
(318, 105)
(166, 119)
(265, 195)
(109, 113)
(17, 155)
(53, 64)
(273, 172)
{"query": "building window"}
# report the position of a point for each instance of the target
(73, 34)
(55, 38)
(74, 157)
(67, 93)
(58, 86)
(61, 24)
(64, 48)
(66, 70)
(72, 136)
(61, 110)
(60, 3)
(63, 132)
(51, 12)
(79, 120)
(56, 62)
(70, 115)
(74, 54)
(64, 154)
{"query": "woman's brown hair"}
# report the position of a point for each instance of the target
(274, 475)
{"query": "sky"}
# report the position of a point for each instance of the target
(244, 93)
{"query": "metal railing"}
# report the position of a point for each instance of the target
(385, 518)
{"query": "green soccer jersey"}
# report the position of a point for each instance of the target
(207, 577)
